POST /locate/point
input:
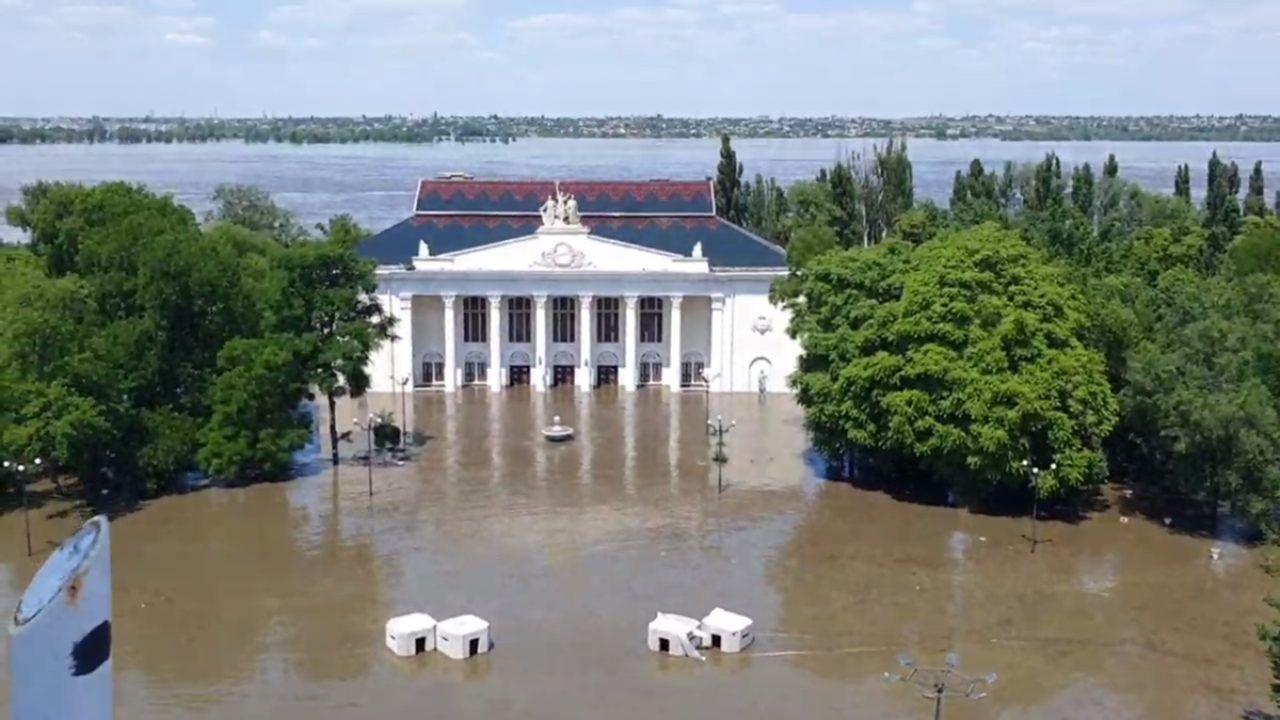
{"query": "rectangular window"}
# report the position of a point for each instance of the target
(650, 320)
(519, 320)
(607, 320)
(475, 320)
(691, 373)
(562, 320)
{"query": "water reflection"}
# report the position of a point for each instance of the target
(269, 601)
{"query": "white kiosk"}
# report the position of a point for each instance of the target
(730, 632)
(412, 634)
(462, 637)
(677, 635)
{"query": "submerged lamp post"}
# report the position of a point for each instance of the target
(707, 377)
(368, 427)
(405, 436)
(938, 684)
(20, 471)
(719, 429)
(1036, 475)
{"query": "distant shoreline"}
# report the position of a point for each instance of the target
(494, 129)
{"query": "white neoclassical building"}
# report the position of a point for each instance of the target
(579, 284)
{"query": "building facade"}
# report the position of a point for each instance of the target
(581, 284)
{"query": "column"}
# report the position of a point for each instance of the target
(716, 363)
(586, 363)
(676, 352)
(495, 342)
(405, 361)
(539, 342)
(630, 337)
(450, 343)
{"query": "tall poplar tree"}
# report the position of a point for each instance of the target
(730, 203)
(1111, 170)
(1082, 190)
(1182, 183)
(1255, 202)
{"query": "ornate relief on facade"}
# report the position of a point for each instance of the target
(563, 257)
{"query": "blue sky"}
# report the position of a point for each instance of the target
(678, 57)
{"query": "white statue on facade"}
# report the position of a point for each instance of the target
(571, 216)
(550, 212)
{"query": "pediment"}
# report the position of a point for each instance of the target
(573, 249)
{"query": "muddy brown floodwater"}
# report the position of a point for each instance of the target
(269, 601)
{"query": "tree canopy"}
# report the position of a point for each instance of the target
(138, 346)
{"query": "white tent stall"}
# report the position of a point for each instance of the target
(728, 631)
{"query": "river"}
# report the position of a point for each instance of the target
(269, 601)
(375, 183)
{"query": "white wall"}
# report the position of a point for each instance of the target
(752, 350)
(428, 330)
(381, 360)
(695, 330)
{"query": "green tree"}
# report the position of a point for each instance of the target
(975, 196)
(263, 379)
(729, 199)
(1257, 249)
(888, 189)
(1082, 190)
(766, 209)
(1182, 183)
(960, 358)
(1111, 169)
(848, 202)
(1255, 202)
(252, 208)
(327, 298)
(1047, 187)
(1222, 215)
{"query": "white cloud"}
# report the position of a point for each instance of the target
(173, 5)
(185, 38)
(90, 15)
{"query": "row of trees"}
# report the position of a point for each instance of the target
(1044, 317)
(139, 344)
(1049, 314)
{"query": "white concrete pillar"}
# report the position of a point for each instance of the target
(586, 363)
(539, 342)
(716, 364)
(60, 636)
(495, 342)
(630, 338)
(676, 352)
(450, 343)
(405, 361)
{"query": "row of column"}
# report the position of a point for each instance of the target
(629, 332)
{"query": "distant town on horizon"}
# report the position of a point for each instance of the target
(434, 127)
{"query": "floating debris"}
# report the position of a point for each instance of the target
(730, 632)
(556, 432)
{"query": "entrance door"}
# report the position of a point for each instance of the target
(475, 646)
(562, 375)
(607, 376)
(519, 375)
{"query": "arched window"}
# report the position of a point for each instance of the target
(650, 320)
(607, 359)
(432, 369)
(563, 357)
(692, 370)
(519, 358)
(475, 369)
(651, 369)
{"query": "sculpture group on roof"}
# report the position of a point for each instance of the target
(561, 210)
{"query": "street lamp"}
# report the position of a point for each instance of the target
(405, 436)
(719, 429)
(368, 427)
(1036, 474)
(20, 470)
(937, 684)
(707, 377)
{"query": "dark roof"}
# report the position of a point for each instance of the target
(724, 244)
(671, 217)
(657, 197)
